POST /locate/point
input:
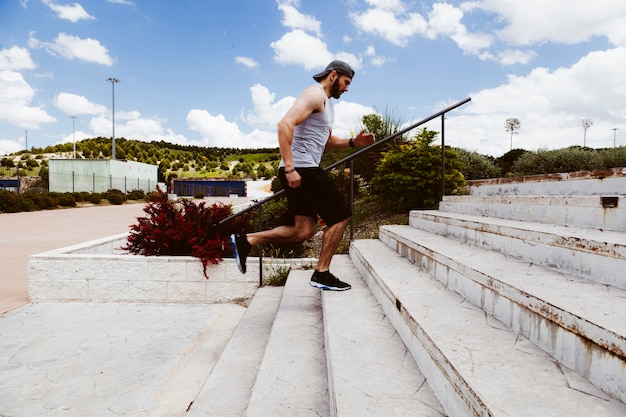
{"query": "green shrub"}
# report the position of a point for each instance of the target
(198, 195)
(95, 198)
(136, 195)
(9, 202)
(114, 196)
(152, 196)
(409, 175)
(477, 166)
(569, 159)
(67, 200)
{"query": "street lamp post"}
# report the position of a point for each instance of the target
(74, 134)
(113, 81)
(614, 135)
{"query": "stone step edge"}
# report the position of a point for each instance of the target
(593, 255)
(292, 377)
(398, 284)
(370, 370)
(574, 236)
(592, 341)
(228, 388)
(571, 201)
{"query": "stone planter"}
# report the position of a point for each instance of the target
(98, 271)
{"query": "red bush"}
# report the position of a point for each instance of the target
(183, 227)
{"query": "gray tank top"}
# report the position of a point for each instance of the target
(310, 137)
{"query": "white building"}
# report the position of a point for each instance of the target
(100, 175)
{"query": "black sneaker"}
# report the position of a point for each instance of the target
(327, 281)
(241, 249)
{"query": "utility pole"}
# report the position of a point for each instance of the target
(614, 134)
(113, 81)
(74, 134)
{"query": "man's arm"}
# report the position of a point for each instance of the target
(360, 140)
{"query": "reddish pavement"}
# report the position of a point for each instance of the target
(25, 234)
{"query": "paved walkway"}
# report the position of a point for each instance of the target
(25, 234)
(88, 359)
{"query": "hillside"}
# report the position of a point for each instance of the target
(180, 160)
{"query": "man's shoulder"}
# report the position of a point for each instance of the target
(314, 96)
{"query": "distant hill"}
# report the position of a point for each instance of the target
(180, 160)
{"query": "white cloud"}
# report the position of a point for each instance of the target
(72, 47)
(512, 57)
(293, 19)
(561, 21)
(550, 105)
(10, 146)
(299, 48)
(75, 105)
(266, 113)
(15, 58)
(215, 130)
(246, 62)
(15, 97)
(132, 125)
(383, 21)
(73, 12)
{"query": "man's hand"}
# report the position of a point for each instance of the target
(364, 139)
(293, 178)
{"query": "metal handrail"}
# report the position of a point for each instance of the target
(350, 159)
(352, 156)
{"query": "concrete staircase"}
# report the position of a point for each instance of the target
(500, 303)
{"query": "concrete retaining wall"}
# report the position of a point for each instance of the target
(98, 271)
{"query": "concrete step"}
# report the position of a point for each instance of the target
(228, 388)
(579, 322)
(606, 212)
(370, 370)
(476, 365)
(593, 254)
(610, 181)
(292, 378)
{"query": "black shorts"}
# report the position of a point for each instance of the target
(317, 195)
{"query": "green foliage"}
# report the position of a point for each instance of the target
(9, 202)
(95, 198)
(116, 197)
(409, 175)
(613, 157)
(278, 276)
(136, 195)
(506, 161)
(561, 160)
(477, 166)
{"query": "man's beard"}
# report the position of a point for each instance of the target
(334, 89)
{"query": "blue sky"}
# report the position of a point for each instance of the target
(222, 73)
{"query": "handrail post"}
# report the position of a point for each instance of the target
(259, 226)
(443, 156)
(352, 200)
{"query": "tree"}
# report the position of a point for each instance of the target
(512, 125)
(586, 124)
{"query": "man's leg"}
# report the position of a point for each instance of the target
(322, 277)
(303, 229)
(330, 242)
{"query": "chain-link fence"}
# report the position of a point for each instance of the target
(75, 182)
